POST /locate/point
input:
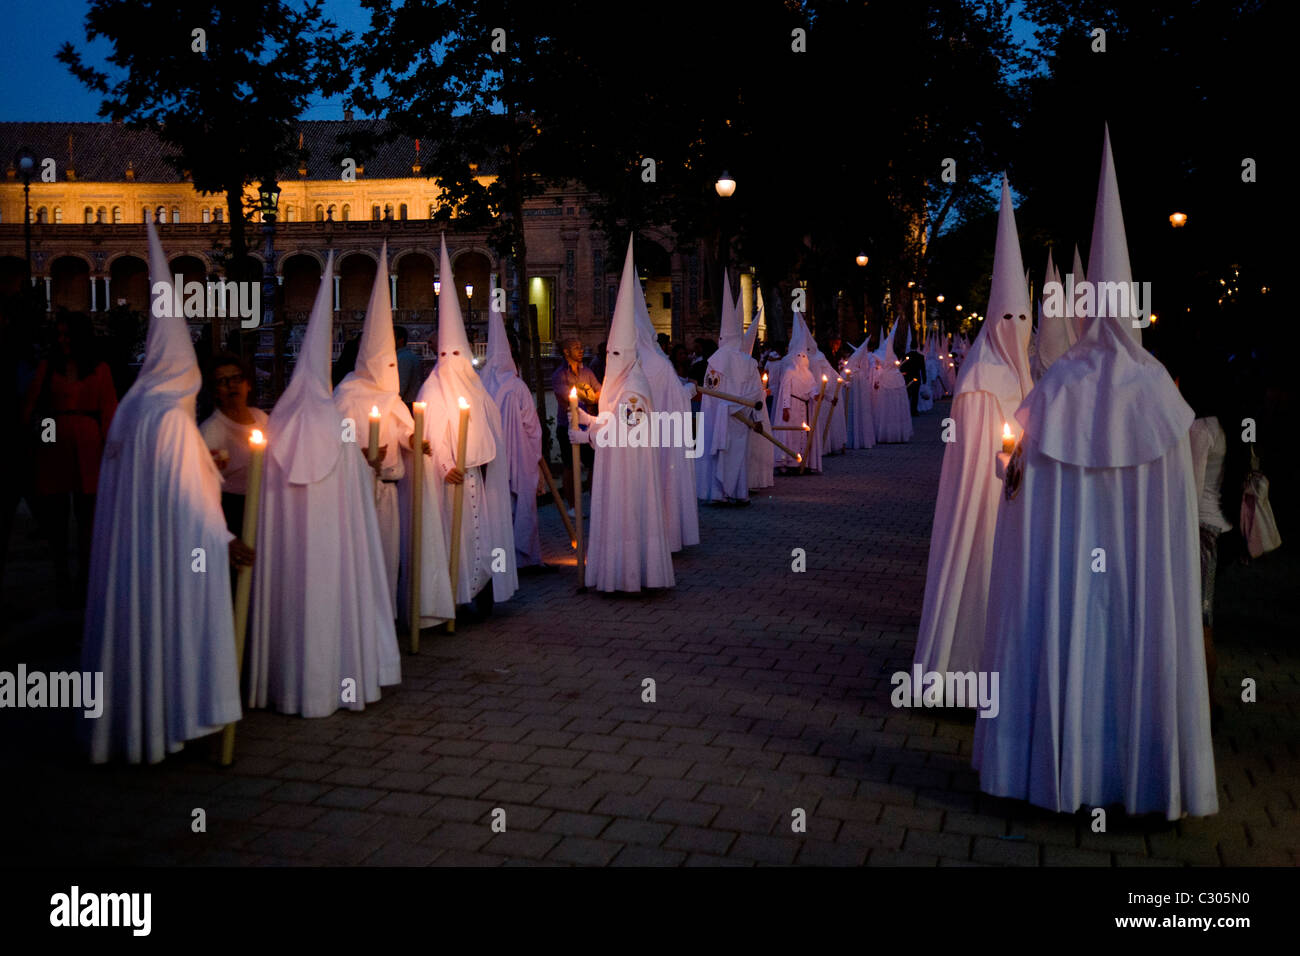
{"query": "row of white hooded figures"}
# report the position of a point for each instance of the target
(331, 574)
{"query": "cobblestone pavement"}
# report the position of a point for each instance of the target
(772, 697)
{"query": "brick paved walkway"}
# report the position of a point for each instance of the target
(772, 696)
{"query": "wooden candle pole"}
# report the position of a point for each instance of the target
(458, 509)
(758, 427)
(414, 564)
(728, 397)
(244, 580)
(577, 491)
(826, 429)
(821, 394)
(559, 504)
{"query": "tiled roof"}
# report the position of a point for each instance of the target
(100, 151)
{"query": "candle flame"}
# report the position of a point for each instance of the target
(374, 411)
(839, 381)
(257, 438)
(823, 378)
(1006, 430)
(464, 405)
(418, 407)
(806, 428)
(573, 392)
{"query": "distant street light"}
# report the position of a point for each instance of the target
(958, 308)
(437, 287)
(26, 163)
(861, 259)
(725, 185)
(939, 299)
(1178, 219)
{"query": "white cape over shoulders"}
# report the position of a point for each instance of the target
(162, 633)
(1102, 674)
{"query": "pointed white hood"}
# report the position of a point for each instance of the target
(751, 333)
(1055, 333)
(1108, 403)
(306, 434)
(171, 369)
(730, 335)
(1108, 254)
(1077, 269)
(374, 381)
(998, 361)
(622, 371)
(499, 366)
(453, 378)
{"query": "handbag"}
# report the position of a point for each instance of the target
(1258, 525)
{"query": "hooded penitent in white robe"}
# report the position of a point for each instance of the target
(523, 437)
(890, 409)
(862, 434)
(1102, 672)
(676, 469)
(487, 538)
(373, 383)
(760, 466)
(628, 548)
(947, 365)
(833, 404)
(322, 633)
(794, 406)
(933, 368)
(158, 625)
(722, 472)
(994, 380)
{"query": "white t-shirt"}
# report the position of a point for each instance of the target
(225, 434)
(1209, 448)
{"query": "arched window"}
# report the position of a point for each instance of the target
(288, 214)
(218, 214)
(207, 214)
(320, 213)
(374, 212)
(347, 212)
(329, 213)
(90, 215)
(401, 212)
(176, 214)
(101, 214)
(160, 214)
(58, 214)
(145, 215)
(388, 210)
(117, 214)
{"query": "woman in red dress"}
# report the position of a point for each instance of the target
(69, 406)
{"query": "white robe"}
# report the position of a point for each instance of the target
(487, 524)
(395, 433)
(798, 395)
(951, 635)
(523, 444)
(628, 549)
(862, 431)
(322, 603)
(676, 470)
(722, 470)
(831, 423)
(891, 412)
(436, 605)
(161, 631)
(1103, 686)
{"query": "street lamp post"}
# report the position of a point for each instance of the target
(269, 194)
(27, 163)
(724, 187)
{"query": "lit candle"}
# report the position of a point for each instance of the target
(373, 449)
(244, 580)
(1008, 442)
(573, 407)
(417, 525)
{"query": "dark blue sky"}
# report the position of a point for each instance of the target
(35, 86)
